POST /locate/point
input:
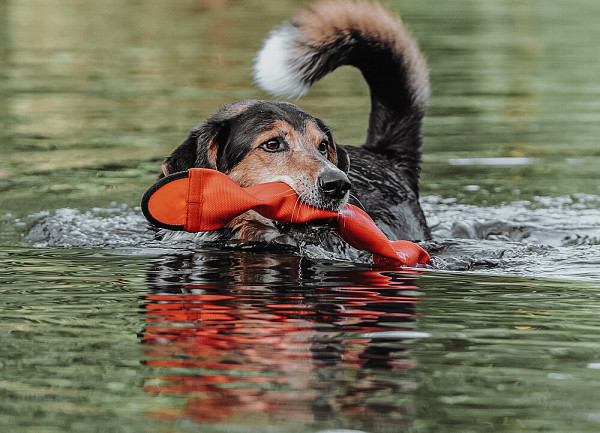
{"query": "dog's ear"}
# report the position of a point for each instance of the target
(185, 155)
(200, 148)
(343, 160)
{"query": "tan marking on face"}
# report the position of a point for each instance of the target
(300, 165)
(316, 136)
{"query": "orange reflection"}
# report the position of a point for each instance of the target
(283, 355)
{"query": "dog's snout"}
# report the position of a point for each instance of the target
(334, 184)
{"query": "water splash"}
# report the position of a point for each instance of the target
(116, 226)
(555, 237)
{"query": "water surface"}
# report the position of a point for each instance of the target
(104, 329)
(145, 340)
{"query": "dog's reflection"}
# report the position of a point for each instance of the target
(263, 337)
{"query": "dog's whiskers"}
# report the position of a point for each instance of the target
(299, 203)
(343, 221)
(362, 206)
(287, 193)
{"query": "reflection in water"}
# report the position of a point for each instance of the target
(260, 343)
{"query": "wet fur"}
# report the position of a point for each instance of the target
(384, 172)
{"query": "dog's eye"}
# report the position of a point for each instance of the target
(274, 145)
(323, 147)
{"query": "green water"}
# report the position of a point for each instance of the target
(109, 341)
(93, 95)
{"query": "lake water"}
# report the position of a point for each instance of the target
(103, 329)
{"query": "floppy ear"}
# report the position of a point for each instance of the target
(200, 148)
(343, 160)
(183, 157)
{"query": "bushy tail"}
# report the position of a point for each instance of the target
(365, 35)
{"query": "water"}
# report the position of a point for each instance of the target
(105, 329)
(146, 340)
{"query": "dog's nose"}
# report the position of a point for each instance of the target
(334, 184)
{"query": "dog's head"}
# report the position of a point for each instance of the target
(269, 141)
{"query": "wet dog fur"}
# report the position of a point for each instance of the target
(257, 141)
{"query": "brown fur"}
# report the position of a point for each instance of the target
(322, 24)
(300, 167)
(251, 226)
(237, 107)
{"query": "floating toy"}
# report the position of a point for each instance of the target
(201, 199)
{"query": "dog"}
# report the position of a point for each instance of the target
(258, 141)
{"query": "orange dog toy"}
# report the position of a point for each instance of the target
(202, 199)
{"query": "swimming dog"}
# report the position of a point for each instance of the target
(257, 141)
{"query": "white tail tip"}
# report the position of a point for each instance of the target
(276, 70)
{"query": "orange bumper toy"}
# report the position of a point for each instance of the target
(202, 199)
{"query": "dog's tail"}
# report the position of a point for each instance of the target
(365, 35)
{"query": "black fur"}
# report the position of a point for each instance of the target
(232, 134)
